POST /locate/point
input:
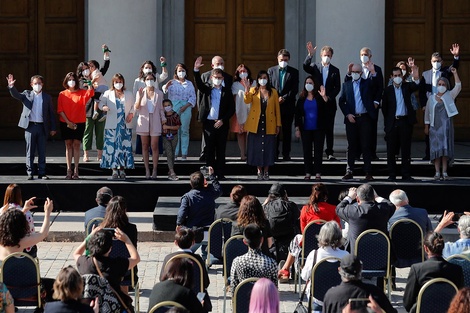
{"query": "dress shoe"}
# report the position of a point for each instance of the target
(30, 177)
(287, 158)
(407, 178)
(331, 158)
(391, 178)
(43, 177)
(347, 176)
(369, 177)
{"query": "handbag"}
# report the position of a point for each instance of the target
(300, 308)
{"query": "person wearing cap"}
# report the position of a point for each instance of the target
(336, 298)
(103, 195)
(253, 263)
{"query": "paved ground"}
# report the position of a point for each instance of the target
(54, 256)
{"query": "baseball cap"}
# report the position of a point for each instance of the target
(351, 264)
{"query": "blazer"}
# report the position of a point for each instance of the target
(109, 98)
(377, 94)
(323, 108)
(291, 83)
(347, 102)
(425, 83)
(422, 272)
(389, 104)
(333, 81)
(418, 215)
(27, 98)
(227, 103)
(273, 112)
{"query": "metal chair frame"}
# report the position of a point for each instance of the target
(224, 238)
(429, 283)
(407, 220)
(326, 280)
(251, 280)
(226, 268)
(199, 288)
(466, 259)
(164, 304)
(89, 225)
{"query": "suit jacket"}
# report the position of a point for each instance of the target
(389, 104)
(347, 102)
(291, 83)
(273, 112)
(98, 211)
(323, 108)
(109, 98)
(169, 290)
(420, 273)
(27, 98)
(377, 94)
(425, 83)
(418, 215)
(364, 216)
(71, 306)
(206, 76)
(333, 81)
(229, 210)
(227, 103)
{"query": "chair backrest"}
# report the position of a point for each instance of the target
(119, 249)
(309, 238)
(242, 294)
(93, 222)
(324, 276)
(406, 237)
(198, 277)
(464, 262)
(97, 286)
(233, 247)
(373, 249)
(219, 232)
(20, 274)
(435, 296)
(164, 306)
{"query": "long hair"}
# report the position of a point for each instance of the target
(304, 92)
(175, 75)
(461, 301)
(319, 194)
(264, 297)
(268, 85)
(68, 285)
(251, 211)
(116, 213)
(434, 242)
(115, 78)
(141, 72)
(236, 76)
(13, 195)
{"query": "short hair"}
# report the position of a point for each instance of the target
(68, 285)
(398, 197)
(115, 78)
(464, 226)
(95, 64)
(167, 101)
(434, 242)
(238, 192)
(175, 76)
(330, 235)
(327, 49)
(436, 55)
(67, 78)
(395, 68)
(446, 81)
(216, 71)
(151, 75)
(103, 195)
(367, 49)
(180, 270)
(13, 195)
(284, 53)
(196, 180)
(253, 235)
(348, 277)
(184, 237)
(365, 192)
(100, 243)
(13, 228)
(264, 297)
(37, 77)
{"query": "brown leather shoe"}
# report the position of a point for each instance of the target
(349, 175)
(369, 177)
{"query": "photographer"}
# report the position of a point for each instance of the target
(461, 246)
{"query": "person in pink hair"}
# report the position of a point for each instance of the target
(264, 297)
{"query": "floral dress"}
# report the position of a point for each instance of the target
(5, 297)
(117, 153)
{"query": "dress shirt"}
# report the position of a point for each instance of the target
(360, 109)
(36, 110)
(436, 74)
(324, 72)
(216, 94)
(401, 108)
(181, 91)
(365, 71)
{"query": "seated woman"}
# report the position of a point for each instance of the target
(68, 288)
(99, 262)
(6, 304)
(330, 240)
(264, 297)
(176, 286)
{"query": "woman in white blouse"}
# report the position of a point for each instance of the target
(183, 96)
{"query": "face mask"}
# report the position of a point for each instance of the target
(150, 83)
(441, 89)
(436, 65)
(221, 67)
(283, 64)
(181, 74)
(216, 81)
(118, 86)
(147, 70)
(309, 87)
(403, 72)
(397, 80)
(71, 83)
(325, 59)
(37, 88)
(86, 72)
(262, 81)
(364, 58)
(355, 76)
(168, 108)
(243, 75)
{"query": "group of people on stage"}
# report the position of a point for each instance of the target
(260, 111)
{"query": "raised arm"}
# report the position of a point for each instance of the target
(34, 238)
(134, 257)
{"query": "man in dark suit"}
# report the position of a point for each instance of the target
(38, 121)
(103, 195)
(327, 75)
(360, 113)
(399, 118)
(285, 79)
(428, 82)
(215, 110)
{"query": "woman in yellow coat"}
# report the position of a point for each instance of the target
(263, 123)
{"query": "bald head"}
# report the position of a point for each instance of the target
(217, 62)
(399, 198)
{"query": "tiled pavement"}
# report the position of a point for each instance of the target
(55, 255)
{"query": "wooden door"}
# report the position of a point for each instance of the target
(44, 37)
(417, 29)
(242, 31)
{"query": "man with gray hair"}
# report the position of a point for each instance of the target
(336, 298)
(404, 210)
(103, 195)
(461, 246)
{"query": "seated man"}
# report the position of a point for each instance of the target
(461, 246)
(404, 210)
(253, 263)
(103, 195)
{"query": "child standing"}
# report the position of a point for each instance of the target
(170, 136)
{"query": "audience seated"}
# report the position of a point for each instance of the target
(6, 304)
(103, 195)
(230, 210)
(461, 246)
(264, 297)
(404, 210)
(461, 301)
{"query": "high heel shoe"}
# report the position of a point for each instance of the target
(154, 174)
(75, 174)
(69, 174)
(147, 174)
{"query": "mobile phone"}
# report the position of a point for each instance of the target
(358, 303)
(39, 202)
(113, 230)
(201, 296)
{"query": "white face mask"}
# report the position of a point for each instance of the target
(71, 83)
(364, 58)
(150, 83)
(221, 67)
(325, 59)
(403, 72)
(309, 87)
(436, 65)
(86, 72)
(283, 64)
(216, 81)
(37, 88)
(441, 89)
(118, 86)
(181, 74)
(397, 80)
(243, 75)
(355, 76)
(168, 108)
(262, 81)
(147, 70)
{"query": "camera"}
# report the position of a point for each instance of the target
(204, 170)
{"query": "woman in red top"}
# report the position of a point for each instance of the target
(316, 209)
(71, 108)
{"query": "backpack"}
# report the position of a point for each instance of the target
(279, 214)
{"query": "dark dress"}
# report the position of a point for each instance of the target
(261, 147)
(266, 229)
(71, 306)
(168, 290)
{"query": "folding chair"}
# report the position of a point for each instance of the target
(324, 276)
(93, 222)
(406, 237)
(241, 295)
(464, 262)
(219, 233)
(198, 283)
(164, 306)
(435, 296)
(233, 247)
